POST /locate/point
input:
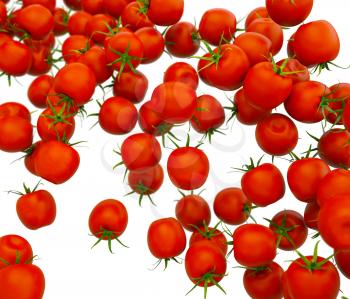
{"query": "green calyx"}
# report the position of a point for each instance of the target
(109, 236)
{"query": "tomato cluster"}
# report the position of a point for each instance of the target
(72, 51)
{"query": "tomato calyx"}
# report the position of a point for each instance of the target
(279, 69)
(166, 263)
(188, 141)
(207, 232)
(27, 190)
(18, 259)
(143, 191)
(108, 235)
(247, 167)
(325, 107)
(305, 155)
(326, 66)
(58, 116)
(214, 58)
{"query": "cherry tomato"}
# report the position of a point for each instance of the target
(14, 249)
(41, 64)
(60, 17)
(182, 72)
(339, 96)
(342, 258)
(77, 22)
(257, 13)
(98, 26)
(311, 212)
(134, 16)
(213, 235)
(115, 7)
(73, 4)
(346, 117)
(93, 7)
(74, 46)
(295, 70)
(165, 13)
(49, 4)
(153, 44)
(14, 109)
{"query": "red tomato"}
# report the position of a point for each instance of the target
(334, 222)
(153, 44)
(271, 30)
(298, 72)
(74, 46)
(134, 16)
(140, 151)
(346, 117)
(255, 45)
(259, 237)
(76, 81)
(22, 282)
(276, 134)
(41, 64)
(304, 178)
(108, 220)
(175, 102)
(265, 283)
(166, 238)
(60, 17)
(115, 7)
(209, 115)
(14, 109)
(217, 26)
(188, 168)
(232, 206)
(93, 7)
(311, 212)
(263, 185)
(224, 68)
(290, 229)
(182, 72)
(213, 235)
(3, 14)
(266, 74)
(334, 148)
(342, 258)
(182, 39)
(131, 85)
(165, 13)
(73, 4)
(257, 13)
(192, 211)
(49, 4)
(36, 209)
(30, 157)
(316, 43)
(340, 93)
(98, 26)
(14, 250)
(287, 13)
(77, 22)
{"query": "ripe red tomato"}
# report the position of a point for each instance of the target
(39, 89)
(295, 70)
(213, 235)
(311, 212)
(49, 4)
(263, 185)
(153, 44)
(182, 72)
(346, 117)
(93, 7)
(14, 249)
(209, 115)
(117, 116)
(14, 109)
(265, 283)
(36, 209)
(140, 151)
(338, 99)
(315, 43)
(3, 14)
(98, 26)
(290, 229)
(276, 134)
(232, 206)
(74, 46)
(166, 238)
(224, 68)
(77, 81)
(266, 74)
(134, 16)
(192, 211)
(271, 30)
(304, 178)
(115, 7)
(182, 39)
(217, 26)
(60, 17)
(188, 168)
(41, 63)
(77, 22)
(165, 13)
(342, 258)
(259, 237)
(73, 4)
(255, 45)
(333, 222)
(108, 220)
(22, 282)
(175, 102)
(287, 13)
(257, 13)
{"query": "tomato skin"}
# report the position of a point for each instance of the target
(175, 102)
(182, 40)
(16, 134)
(77, 81)
(311, 212)
(286, 13)
(74, 46)
(133, 17)
(77, 22)
(316, 42)
(256, 236)
(230, 71)
(109, 215)
(192, 211)
(165, 14)
(264, 284)
(300, 283)
(341, 93)
(60, 21)
(49, 4)
(255, 45)
(182, 72)
(342, 258)
(55, 161)
(140, 151)
(146, 181)
(289, 219)
(257, 13)
(334, 148)
(14, 248)
(209, 115)
(263, 185)
(73, 4)
(304, 178)
(132, 86)
(115, 7)
(276, 134)
(261, 75)
(346, 117)
(93, 7)
(41, 64)
(31, 286)
(217, 25)
(153, 44)
(166, 238)
(333, 222)
(14, 109)
(36, 209)
(202, 258)
(271, 30)
(293, 65)
(217, 238)
(98, 26)
(188, 168)
(117, 116)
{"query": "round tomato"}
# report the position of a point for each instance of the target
(153, 44)
(182, 72)
(342, 258)
(14, 109)
(14, 249)
(213, 235)
(41, 60)
(39, 89)
(93, 7)
(77, 22)
(134, 16)
(115, 7)
(60, 17)
(311, 212)
(98, 26)
(165, 13)
(74, 46)
(257, 13)
(49, 4)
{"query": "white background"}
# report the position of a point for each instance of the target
(71, 268)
